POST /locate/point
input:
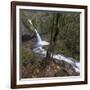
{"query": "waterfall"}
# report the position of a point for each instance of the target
(38, 36)
(40, 50)
(75, 65)
(40, 42)
(39, 45)
(30, 21)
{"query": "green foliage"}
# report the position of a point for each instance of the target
(67, 24)
(60, 29)
(26, 55)
(69, 33)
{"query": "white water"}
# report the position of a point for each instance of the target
(40, 43)
(40, 50)
(75, 65)
(30, 21)
(39, 40)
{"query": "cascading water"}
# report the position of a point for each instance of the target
(39, 40)
(40, 50)
(75, 65)
(39, 44)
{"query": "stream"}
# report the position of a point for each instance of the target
(39, 49)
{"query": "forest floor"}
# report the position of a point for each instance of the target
(48, 68)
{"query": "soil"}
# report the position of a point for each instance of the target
(47, 68)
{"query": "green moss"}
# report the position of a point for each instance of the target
(26, 56)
